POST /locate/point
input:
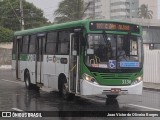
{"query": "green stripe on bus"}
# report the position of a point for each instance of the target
(23, 57)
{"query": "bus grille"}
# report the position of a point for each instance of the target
(120, 76)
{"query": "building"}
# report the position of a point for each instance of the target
(119, 9)
(99, 9)
(90, 13)
(102, 8)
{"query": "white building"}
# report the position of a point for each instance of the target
(119, 9)
(99, 9)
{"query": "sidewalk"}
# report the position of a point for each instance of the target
(151, 86)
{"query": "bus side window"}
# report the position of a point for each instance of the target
(51, 43)
(25, 44)
(18, 43)
(63, 43)
(32, 44)
(14, 49)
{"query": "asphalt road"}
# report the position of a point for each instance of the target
(15, 97)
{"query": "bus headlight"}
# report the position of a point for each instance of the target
(89, 78)
(138, 79)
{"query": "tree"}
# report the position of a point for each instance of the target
(10, 16)
(71, 10)
(6, 35)
(143, 12)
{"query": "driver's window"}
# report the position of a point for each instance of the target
(133, 46)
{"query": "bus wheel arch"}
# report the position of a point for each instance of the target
(61, 79)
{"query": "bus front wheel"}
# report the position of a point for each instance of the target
(112, 96)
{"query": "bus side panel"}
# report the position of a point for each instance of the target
(23, 66)
(53, 67)
(31, 67)
(49, 75)
(62, 65)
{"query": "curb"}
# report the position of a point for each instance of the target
(151, 89)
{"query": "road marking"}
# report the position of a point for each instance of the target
(11, 81)
(16, 109)
(144, 107)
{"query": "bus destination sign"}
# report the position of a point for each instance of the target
(114, 27)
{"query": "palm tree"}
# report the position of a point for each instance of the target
(70, 10)
(143, 12)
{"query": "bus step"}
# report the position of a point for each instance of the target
(40, 84)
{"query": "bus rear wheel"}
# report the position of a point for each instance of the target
(112, 96)
(27, 80)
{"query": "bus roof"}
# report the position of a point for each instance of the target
(73, 24)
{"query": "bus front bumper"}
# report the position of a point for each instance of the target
(88, 88)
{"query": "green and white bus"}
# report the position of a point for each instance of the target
(81, 57)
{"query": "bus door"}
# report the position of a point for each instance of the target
(39, 59)
(74, 63)
(18, 49)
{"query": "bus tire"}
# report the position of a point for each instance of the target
(64, 90)
(112, 96)
(27, 80)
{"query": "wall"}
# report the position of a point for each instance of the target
(152, 66)
(5, 53)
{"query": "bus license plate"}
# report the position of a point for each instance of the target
(115, 90)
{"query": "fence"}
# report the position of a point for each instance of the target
(152, 66)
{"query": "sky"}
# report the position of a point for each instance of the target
(48, 7)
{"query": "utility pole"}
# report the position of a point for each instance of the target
(94, 12)
(22, 15)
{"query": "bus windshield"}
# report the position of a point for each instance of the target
(113, 51)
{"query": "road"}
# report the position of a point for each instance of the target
(14, 97)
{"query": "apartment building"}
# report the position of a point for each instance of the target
(119, 9)
(99, 9)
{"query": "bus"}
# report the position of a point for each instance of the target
(86, 57)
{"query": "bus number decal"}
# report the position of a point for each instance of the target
(49, 58)
(126, 82)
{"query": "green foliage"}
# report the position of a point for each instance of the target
(143, 12)
(10, 16)
(70, 10)
(6, 35)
